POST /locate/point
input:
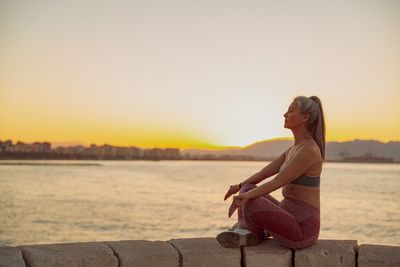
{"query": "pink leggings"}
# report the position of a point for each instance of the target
(294, 223)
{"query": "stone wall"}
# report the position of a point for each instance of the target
(205, 252)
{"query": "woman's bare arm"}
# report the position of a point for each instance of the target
(301, 162)
(269, 170)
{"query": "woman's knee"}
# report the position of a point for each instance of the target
(247, 187)
(254, 204)
(259, 204)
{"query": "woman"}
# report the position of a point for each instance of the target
(295, 221)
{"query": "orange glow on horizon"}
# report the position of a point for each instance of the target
(165, 142)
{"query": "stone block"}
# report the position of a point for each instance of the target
(145, 253)
(11, 257)
(268, 253)
(207, 252)
(69, 254)
(327, 252)
(378, 255)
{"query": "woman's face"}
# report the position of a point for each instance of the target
(293, 118)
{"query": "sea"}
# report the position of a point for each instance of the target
(43, 202)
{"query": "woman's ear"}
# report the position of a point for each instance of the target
(306, 117)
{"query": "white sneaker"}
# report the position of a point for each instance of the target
(236, 225)
(239, 237)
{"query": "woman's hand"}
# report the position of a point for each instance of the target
(233, 189)
(238, 201)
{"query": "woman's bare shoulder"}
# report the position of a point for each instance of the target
(314, 148)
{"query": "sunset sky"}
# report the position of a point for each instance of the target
(196, 74)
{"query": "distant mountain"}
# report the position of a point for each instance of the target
(334, 150)
(338, 150)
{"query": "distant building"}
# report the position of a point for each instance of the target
(41, 147)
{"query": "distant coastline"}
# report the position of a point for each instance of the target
(368, 158)
(357, 151)
(50, 164)
(3, 161)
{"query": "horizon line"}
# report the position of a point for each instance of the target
(85, 144)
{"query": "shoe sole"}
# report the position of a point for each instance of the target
(231, 239)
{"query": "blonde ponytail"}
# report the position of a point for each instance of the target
(316, 124)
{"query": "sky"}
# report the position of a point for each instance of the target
(195, 74)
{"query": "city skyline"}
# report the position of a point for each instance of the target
(78, 144)
(352, 151)
(191, 74)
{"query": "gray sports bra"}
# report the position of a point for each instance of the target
(305, 180)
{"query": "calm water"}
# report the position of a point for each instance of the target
(161, 200)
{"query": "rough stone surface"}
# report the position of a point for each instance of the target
(204, 251)
(145, 253)
(207, 252)
(327, 252)
(11, 257)
(268, 253)
(69, 254)
(378, 255)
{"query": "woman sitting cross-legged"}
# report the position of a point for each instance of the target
(294, 221)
